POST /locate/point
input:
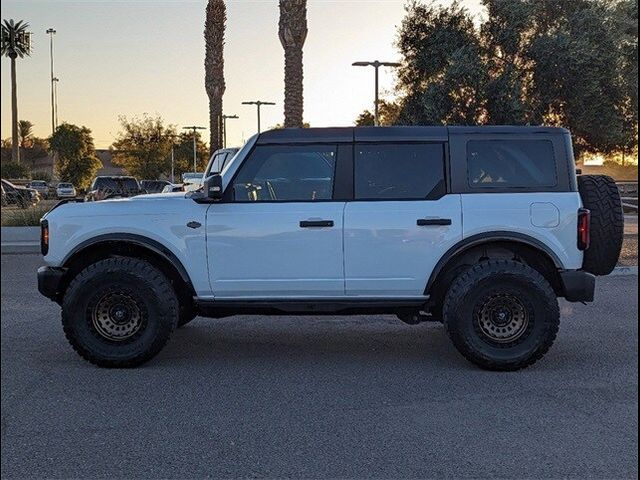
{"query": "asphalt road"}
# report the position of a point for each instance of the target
(318, 397)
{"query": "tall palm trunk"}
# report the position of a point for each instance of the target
(214, 68)
(293, 32)
(15, 147)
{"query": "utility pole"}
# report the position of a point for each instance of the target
(51, 32)
(376, 65)
(55, 99)
(173, 180)
(195, 151)
(224, 128)
(258, 104)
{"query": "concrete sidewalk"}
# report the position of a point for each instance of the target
(20, 240)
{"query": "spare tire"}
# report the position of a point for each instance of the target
(600, 195)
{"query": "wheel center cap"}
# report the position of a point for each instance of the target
(119, 314)
(502, 316)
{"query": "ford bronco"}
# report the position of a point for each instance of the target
(480, 228)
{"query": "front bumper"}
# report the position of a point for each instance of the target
(578, 285)
(49, 282)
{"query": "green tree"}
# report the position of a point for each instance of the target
(143, 146)
(25, 133)
(388, 115)
(183, 154)
(15, 41)
(10, 169)
(76, 162)
(570, 63)
(442, 78)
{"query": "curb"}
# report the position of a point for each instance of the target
(624, 271)
(20, 247)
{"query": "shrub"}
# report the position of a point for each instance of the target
(11, 169)
(28, 217)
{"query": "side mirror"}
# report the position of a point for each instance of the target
(213, 187)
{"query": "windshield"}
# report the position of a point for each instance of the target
(38, 184)
(114, 183)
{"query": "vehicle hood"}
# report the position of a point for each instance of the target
(148, 204)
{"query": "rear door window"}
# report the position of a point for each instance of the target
(399, 171)
(511, 164)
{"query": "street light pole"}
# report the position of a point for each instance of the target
(195, 151)
(224, 128)
(51, 32)
(258, 104)
(376, 65)
(55, 99)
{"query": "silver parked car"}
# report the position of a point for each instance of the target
(39, 186)
(65, 190)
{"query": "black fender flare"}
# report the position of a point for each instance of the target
(138, 240)
(490, 237)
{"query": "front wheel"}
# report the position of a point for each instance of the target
(501, 315)
(119, 312)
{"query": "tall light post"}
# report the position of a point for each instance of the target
(55, 99)
(195, 128)
(258, 104)
(51, 32)
(376, 65)
(224, 128)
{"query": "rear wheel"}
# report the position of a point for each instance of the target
(119, 312)
(501, 315)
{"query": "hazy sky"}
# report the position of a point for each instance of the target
(130, 57)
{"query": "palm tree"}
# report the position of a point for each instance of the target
(214, 68)
(15, 42)
(25, 132)
(293, 32)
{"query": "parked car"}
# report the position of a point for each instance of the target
(23, 197)
(173, 187)
(480, 228)
(153, 186)
(106, 187)
(192, 180)
(39, 186)
(65, 190)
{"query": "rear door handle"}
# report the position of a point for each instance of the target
(425, 222)
(316, 223)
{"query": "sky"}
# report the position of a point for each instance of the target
(128, 58)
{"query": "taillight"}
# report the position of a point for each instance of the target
(584, 228)
(44, 237)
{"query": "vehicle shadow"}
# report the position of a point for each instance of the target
(310, 338)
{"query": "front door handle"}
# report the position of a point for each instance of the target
(425, 222)
(316, 223)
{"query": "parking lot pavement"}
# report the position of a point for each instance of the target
(362, 396)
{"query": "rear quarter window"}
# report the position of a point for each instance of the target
(511, 164)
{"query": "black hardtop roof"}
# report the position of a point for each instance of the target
(396, 133)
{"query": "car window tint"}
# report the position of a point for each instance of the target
(511, 163)
(117, 184)
(399, 171)
(287, 173)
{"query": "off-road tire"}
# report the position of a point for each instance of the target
(600, 195)
(150, 292)
(496, 278)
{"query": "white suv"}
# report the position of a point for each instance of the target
(481, 228)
